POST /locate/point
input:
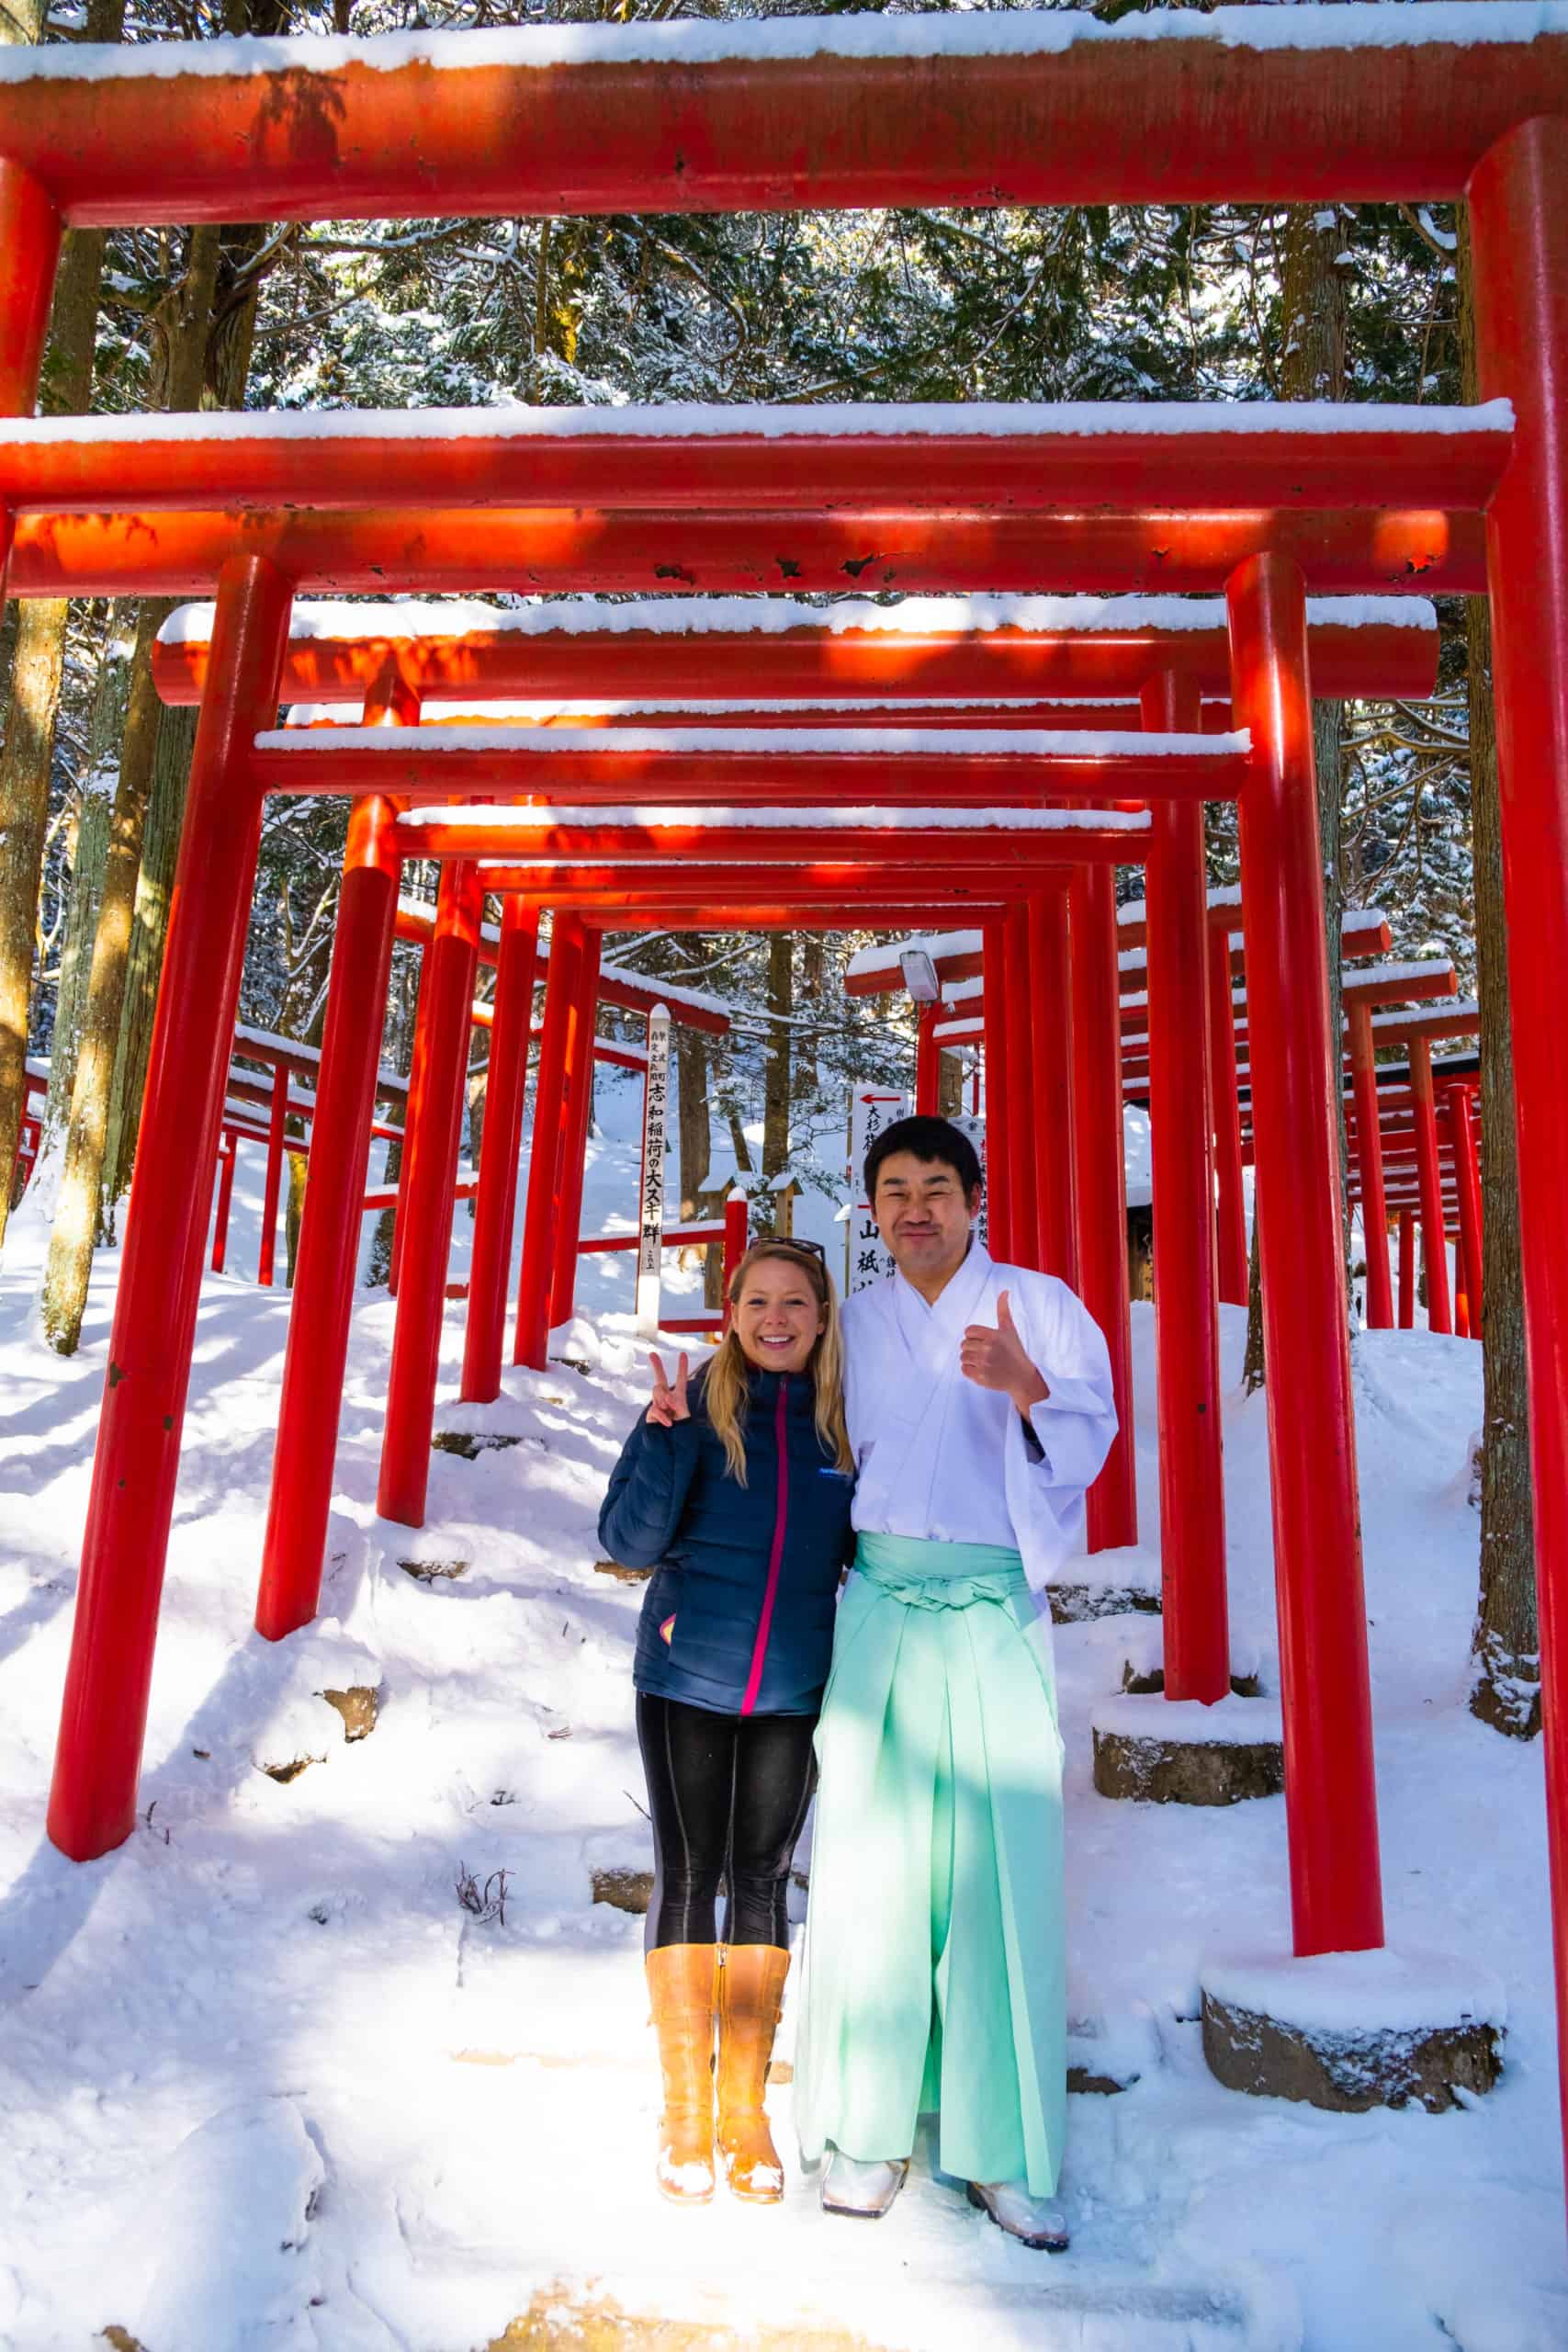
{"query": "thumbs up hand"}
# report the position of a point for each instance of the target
(998, 1358)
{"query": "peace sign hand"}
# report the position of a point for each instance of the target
(998, 1358)
(668, 1404)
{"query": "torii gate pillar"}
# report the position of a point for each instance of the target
(1100, 1183)
(429, 1195)
(1518, 223)
(1187, 1323)
(1330, 1791)
(495, 1212)
(104, 1716)
(333, 1221)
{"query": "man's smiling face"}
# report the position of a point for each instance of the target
(924, 1216)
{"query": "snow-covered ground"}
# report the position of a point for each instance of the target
(266, 2083)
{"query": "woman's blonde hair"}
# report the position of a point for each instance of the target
(726, 1389)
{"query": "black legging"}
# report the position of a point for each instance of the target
(729, 1795)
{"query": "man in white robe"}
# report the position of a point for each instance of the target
(980, 1409)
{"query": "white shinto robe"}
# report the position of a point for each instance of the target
(941, 1457)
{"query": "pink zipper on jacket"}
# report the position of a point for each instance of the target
(775, 1557)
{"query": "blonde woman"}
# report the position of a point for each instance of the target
(734, 1489)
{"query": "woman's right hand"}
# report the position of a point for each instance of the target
(668, 1404)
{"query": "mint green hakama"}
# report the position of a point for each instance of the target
(934, 1970)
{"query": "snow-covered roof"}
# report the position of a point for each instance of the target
(891, 743)
(978, 33)
(341, 622)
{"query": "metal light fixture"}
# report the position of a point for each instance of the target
(920, 975)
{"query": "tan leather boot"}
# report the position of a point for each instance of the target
(681, 1984)
(750, 1994)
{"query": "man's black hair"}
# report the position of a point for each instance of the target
(936, 1142)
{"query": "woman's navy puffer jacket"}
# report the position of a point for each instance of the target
(739, 1616)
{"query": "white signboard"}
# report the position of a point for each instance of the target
(867, 1258)
(650, 1222)
(871, 1110)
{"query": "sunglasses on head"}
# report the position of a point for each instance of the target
(805, 1248)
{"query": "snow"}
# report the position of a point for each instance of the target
(1229, 1723)
(695, 420)
(1422, 971)
(659, 817)
(1355, 918)
(266, 1042)
(340, 623)
(894, 743)
(1465, 1009)
(266, 2084)
(974, 33)
(1360, 1992)
(936, 945)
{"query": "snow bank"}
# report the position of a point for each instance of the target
(979, 33)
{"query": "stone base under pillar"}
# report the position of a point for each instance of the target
(1159, 1751)
(1353, 2030)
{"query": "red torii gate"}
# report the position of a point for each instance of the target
(1415, 1027)
(962, 111)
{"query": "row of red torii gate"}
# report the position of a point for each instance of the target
(1016, 816)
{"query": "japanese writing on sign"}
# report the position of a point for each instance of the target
(650, 1220)
(871, 1110)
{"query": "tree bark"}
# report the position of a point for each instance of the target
(39, 657)
(24, 794)
(226, 369)
(188, 318)
(1505, 1642)
(775, 1081)
(144, 961)
(1313, 368)
(807, 1073)
(692, 1109)
(88, 861)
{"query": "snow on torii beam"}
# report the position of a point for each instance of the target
(996, 108)
(904, 842)
(1016, 456)
(830, 770)
(972, 647)
(958, 955)
(548, 550)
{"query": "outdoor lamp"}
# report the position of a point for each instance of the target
(920, 975)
